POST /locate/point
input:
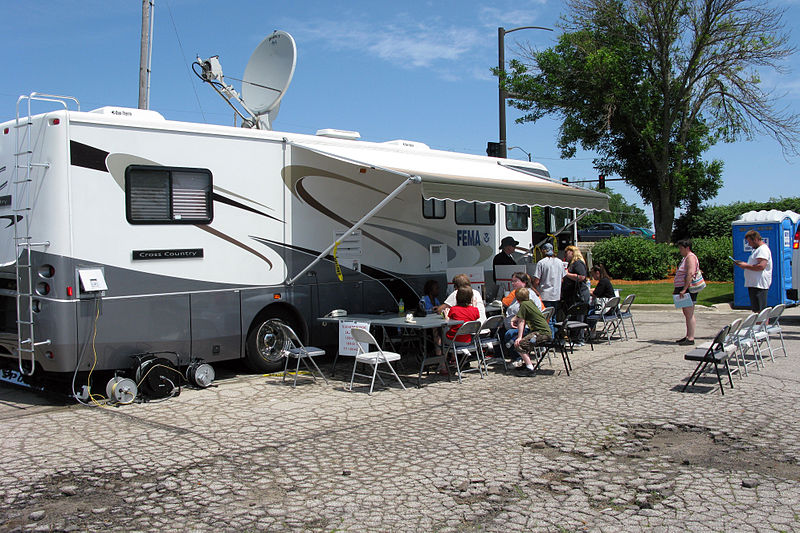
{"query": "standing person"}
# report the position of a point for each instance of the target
(507, 247)
(683, 278)
(573, 288)
(539, 330)
(757, 270)
(547, 277)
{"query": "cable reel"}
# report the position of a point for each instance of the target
(158, 377)
(200, 374)
(121, 390)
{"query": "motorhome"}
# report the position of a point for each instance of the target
(125, 233)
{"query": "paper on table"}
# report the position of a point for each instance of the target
(682, 301)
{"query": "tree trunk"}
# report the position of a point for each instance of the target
(663, 215)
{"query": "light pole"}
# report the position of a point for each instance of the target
(521, 150)
(501, 65)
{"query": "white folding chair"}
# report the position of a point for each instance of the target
(492, 341)
(746, 341)
(774, 326)
(374, 359)
(462, 350)
(625, 312)
(760, 331)
(610, 319)
(298, 351)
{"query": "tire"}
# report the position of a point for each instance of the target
(265, 346)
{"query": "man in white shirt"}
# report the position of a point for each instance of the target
(462, 280)
(547, 277)
(757, 270)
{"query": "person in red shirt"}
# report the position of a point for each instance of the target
(464, 311)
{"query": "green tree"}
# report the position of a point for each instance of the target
(715, 220)
(620, 211)
(650, 85)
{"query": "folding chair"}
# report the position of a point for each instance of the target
(374, 359)
(625, 312)
(715, 354)
(746, 341)
(760, 331)
(610, 318)
(299, 352)
(774, 326)
(559, 341)
(573, 326)
(493, 341)
(730, 344)
(465, 349)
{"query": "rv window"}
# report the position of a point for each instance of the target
(433, 208)
(473, 213)
(163, 195)
(517, 217)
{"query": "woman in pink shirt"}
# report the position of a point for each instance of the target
(683, 278)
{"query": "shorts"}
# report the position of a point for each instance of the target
(531, 339)
(693, 295)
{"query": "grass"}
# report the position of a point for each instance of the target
(661, 293)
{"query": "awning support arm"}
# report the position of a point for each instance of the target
(568, 224)
(391, 196)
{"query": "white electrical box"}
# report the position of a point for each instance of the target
(438, 257)
(92, 280)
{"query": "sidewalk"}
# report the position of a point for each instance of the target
(614, 447)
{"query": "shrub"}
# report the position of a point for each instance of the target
(712, 253)
(715, 220)
(634, 258)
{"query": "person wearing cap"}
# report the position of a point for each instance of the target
(507, 247)
(547, 277)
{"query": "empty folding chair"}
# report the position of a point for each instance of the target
(730, 344)
(576, 326)
(297, 351)
(715, 354)
(374, 359)
(774, 326)
(492, 341)
(760, 331)
(746, 342)
(558, 342)
(625, 312)
(463, 350)
(609, 319)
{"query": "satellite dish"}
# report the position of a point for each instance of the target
(268, 74)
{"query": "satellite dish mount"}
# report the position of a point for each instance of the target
(266, 78)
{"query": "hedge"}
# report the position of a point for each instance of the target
(632, 258)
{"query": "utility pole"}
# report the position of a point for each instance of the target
(146, 54)
(501, 66)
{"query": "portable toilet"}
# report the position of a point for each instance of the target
(779, 230)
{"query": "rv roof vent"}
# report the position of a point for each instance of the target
(339, 134)
(409, 144)
(127, 112)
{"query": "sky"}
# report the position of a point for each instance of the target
(416, 70)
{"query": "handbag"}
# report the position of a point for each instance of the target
(698, 283)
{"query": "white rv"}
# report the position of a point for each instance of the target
(125, 233)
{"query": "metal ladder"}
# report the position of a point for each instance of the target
(22, 182)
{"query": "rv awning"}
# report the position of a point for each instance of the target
(454, 176)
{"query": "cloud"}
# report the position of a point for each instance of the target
(406, 45)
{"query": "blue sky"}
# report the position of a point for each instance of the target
(415, 70)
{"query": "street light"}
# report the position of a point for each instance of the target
(521, 150)
(501, 65)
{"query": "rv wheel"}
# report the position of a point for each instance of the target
(265, 346)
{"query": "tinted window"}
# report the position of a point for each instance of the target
(474, 213)
(517, 217)
(163, 195)
(433, 208)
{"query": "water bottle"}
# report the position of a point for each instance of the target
(401, 307)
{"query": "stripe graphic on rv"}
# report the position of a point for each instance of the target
(293, 176)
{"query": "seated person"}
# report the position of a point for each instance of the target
(464, 311)
(459, 281)
(603, 291)
(529, 315)
(430, 296)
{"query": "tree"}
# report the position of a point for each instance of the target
(620, 211)
(650, 85)
(715, 221)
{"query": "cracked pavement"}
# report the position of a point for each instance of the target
(614, 447)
